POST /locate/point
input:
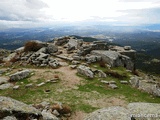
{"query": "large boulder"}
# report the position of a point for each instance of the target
(10, 118)
(134, 81)
(111, 113)
(74, 43)
(134, 111)
(101, 74)
(3, 80)
(52, 48)
(151, 88)
(85, 71)
(6, 86)
(10, 57)
(20, 110)
(114, 59)
(144, 111)
(148, 86)
(20, 75)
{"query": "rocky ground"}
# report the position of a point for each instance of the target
(68, 79)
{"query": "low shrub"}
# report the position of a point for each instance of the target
(136, 72)
(102, 64)
(116, 74)
(56, 76)
(32, 46)
(1, 61)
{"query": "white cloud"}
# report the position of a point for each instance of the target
(42, 12)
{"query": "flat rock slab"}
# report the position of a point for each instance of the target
(134, 111)
(3, 80)
(6, 86)
(20, 110)
(105, 82)
(144, 111)
(111, 113)
(40, 84)
(20, 75)
(124, 82)
(10, 118)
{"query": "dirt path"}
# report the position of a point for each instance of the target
(65, 73)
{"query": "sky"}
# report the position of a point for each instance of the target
(36, 13)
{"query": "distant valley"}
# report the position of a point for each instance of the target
(145, 42)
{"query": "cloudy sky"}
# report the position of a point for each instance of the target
(34, 13)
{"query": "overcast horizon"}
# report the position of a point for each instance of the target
(40, 13)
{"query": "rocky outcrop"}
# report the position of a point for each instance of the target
(85, 71)
(20, 75)
(96, 45)
(10, 57)
(61, 41)
(3, 80)
(111, 113)
(114, 59)
(134, 111)
(144, 111)
(126, 50)
(6, 86)
(11, 107)
(92, 58)
(148, 86)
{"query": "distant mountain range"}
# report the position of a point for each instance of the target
(144, 39)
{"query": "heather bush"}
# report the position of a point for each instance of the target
(32, 46)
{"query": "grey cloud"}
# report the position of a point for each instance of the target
(138, 0)
(21, 10)
(35, 4)
(141, 16)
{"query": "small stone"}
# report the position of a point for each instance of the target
(75, 62)
(52, 80)
(29, 85)
(55, 112)
(112, 82)
(73, 66)
(124, 82)
(113, 86)
(48, 116)
(40, 84)
(75, 88)
(16, 87)
(105, 82)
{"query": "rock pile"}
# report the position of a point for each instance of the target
(42, 57)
